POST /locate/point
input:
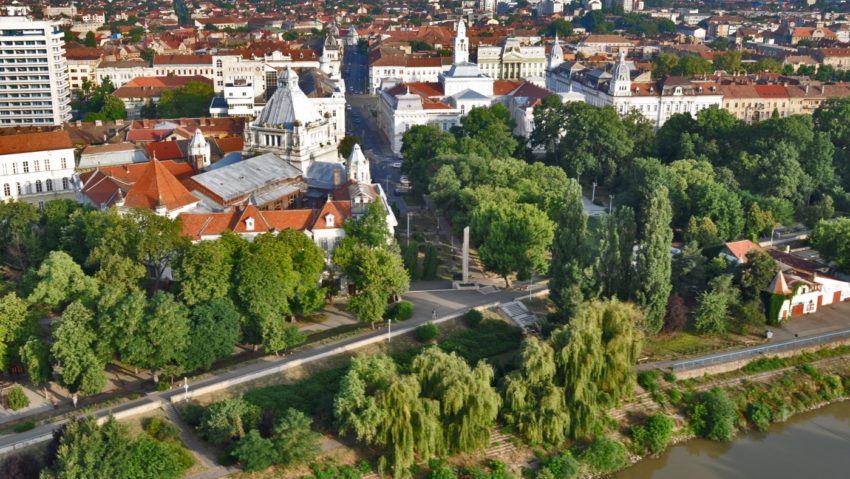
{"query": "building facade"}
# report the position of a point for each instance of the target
(512, 60)
(36, 167)
(624, 90)
(34, 86)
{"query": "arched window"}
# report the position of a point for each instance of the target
(48, 184)
(64, 183)
(7, 190)
(38, 186)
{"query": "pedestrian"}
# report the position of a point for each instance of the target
(433, 314)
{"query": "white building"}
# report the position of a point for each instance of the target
(463, 87)
(123, 71)
(35, 90)
(234, 69)
(237, 99)
(331, 59)
(626, 90)
(36, 167)
(293, 127)
(392, 67)
(184, 66)
(512, 60)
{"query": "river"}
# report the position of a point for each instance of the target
(813, 445)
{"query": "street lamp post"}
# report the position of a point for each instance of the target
(408, 229)
(389, 329)
(593, 192)
(610, 203)
(186, 389)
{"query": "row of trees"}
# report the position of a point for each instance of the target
(225, 292)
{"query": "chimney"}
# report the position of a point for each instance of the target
(337, 176)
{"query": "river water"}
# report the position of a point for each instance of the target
(813, 445)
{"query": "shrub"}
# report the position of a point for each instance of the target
(648, 380)
(427, 332)
(17, 399)
(181, 455)
(162, 430)
(669, 376)
(254, 452)
(24, 426)
(604, 454)
(403, 310)
(473, 318)
(228, 419)
(192, 414)
(674, 395)
(653, 436)
(714, 416)
(561, 466)
(759, 414)
(440, 470)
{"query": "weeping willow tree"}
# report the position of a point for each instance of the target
(383, 408)
(595, 355)
(357, 405)
(469, 404)
(410, 425)
(534, 405)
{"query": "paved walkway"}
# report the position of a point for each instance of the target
(447, 304)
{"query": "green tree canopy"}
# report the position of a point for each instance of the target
(190, 100)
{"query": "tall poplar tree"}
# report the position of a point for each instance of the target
(568, 271)
(654, 265)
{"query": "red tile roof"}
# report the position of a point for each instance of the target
(341, 210)
(198, 225)
(740, 249)
(105, 185)
(30, 142)
(164, 150)
(182, 60)
(157, 186)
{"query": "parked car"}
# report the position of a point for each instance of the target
(404, 180)
(396, 164)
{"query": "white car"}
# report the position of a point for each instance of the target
(404, 180)
(396, 164)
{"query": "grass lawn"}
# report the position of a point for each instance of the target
(678, 345)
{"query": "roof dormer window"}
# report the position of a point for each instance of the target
(249, 223)
(329, 220)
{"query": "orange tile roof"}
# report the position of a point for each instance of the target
(341, 210)
(30, 142)
(740, 249)
(106, 184)
(158, 187)
(164, 150)
(198, 225)
(504, 87)
(771, 91)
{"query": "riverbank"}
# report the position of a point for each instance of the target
(765, 393)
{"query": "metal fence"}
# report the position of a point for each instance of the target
(759, 351)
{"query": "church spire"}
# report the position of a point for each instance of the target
(556, 55)
(461, 53)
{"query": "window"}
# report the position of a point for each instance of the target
(18, 188)
(64, 183)
(38, 186)
(46, 165)
(26, 166)
(37, 166)
(63, 163)
(7, 190)
(14, 168)
(48, 184)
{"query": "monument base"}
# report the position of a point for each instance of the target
(465, 285)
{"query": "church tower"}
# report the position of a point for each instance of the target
(358, 167)
(461, 53)
(199, 151)
(621, 80)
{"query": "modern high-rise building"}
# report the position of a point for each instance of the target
(34, 87)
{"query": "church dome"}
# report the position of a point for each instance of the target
(288, 104)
